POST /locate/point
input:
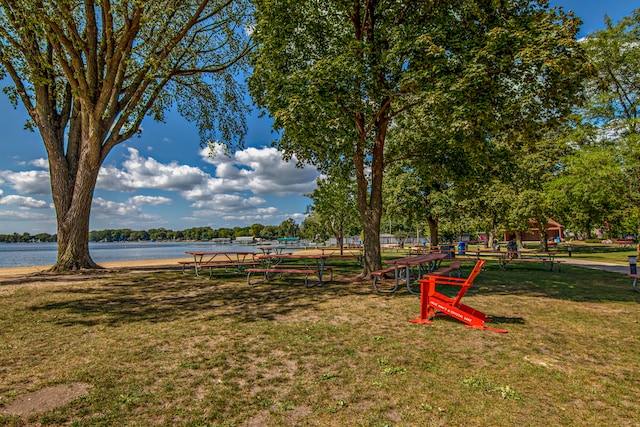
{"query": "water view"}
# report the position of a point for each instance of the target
(35, 254)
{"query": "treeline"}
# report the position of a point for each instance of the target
(288, 228)
(267, 232)
(28, 238)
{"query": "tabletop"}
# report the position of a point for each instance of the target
(294, 256)
(417, 259)
(218, 253)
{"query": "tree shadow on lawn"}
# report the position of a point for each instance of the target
(165, 297)
(571, 283)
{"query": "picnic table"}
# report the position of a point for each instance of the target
(505, 258)
(235, 260)
(354, 253)
(401, 267)
(548, 257)
(487, 254)
(267, 249)
(279, 264)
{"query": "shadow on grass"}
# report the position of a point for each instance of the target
(571, 283)
(165, 296)
(169, 296)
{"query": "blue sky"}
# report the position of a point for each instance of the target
(164, 179)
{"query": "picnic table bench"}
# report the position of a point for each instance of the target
(266, 272)
(543, 258)
(624, 242)
(635, 278)
(402, 267)
(454, 267)
(313, 265)
(235, 260)
(505, 258)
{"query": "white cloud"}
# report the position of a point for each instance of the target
(26, 215)
(234, 191)
(28, 182)
(259, 170)
(24, 202)
(139, 172)
(229, 203)
(150, 200)
(40, 163)
(107, 208)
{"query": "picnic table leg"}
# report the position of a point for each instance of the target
(635, 282)
(409, 279)
(375, 278)
(195, 264)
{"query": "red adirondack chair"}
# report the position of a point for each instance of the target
(432, 300)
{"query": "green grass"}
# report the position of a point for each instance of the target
(162, 348)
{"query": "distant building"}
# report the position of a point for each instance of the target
(554, 230)
(385, 239)
(245, 240)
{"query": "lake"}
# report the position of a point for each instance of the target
(36, 254)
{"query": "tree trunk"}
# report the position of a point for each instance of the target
(519, 239)
(372, 252)
(72, 186)
(542, 233)
(370, 208)
(433, 230)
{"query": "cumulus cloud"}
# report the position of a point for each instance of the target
(102, 207)
(26, 215)
(229, 203)
(259, 170)
(24, 202)
(40, 163)
(234, 189)
(150, 200)
(139, 172)
(28, 182)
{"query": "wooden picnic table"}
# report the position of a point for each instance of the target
(274, 263)
(544, 257)
(478, 254)
(268, 249)
(226, 259)
(504, 258)
(402, 267)
(355, 253)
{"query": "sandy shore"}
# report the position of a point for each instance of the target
(17, 271)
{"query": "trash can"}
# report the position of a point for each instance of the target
(632, 264)
(462, 247)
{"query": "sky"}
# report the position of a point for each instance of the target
(164, 179)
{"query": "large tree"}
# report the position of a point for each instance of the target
(611, 116)
(88, 72)
(336, 75)
(334, 206)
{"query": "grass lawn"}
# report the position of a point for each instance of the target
(162, 348)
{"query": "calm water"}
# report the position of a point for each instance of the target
(29, 254)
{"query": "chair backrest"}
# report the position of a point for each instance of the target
(472, 276)
(476, 270)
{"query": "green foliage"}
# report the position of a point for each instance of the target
(89, 72)
(334, 206)
(26, 238)
(356, 86)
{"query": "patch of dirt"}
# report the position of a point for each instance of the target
(46, 399)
